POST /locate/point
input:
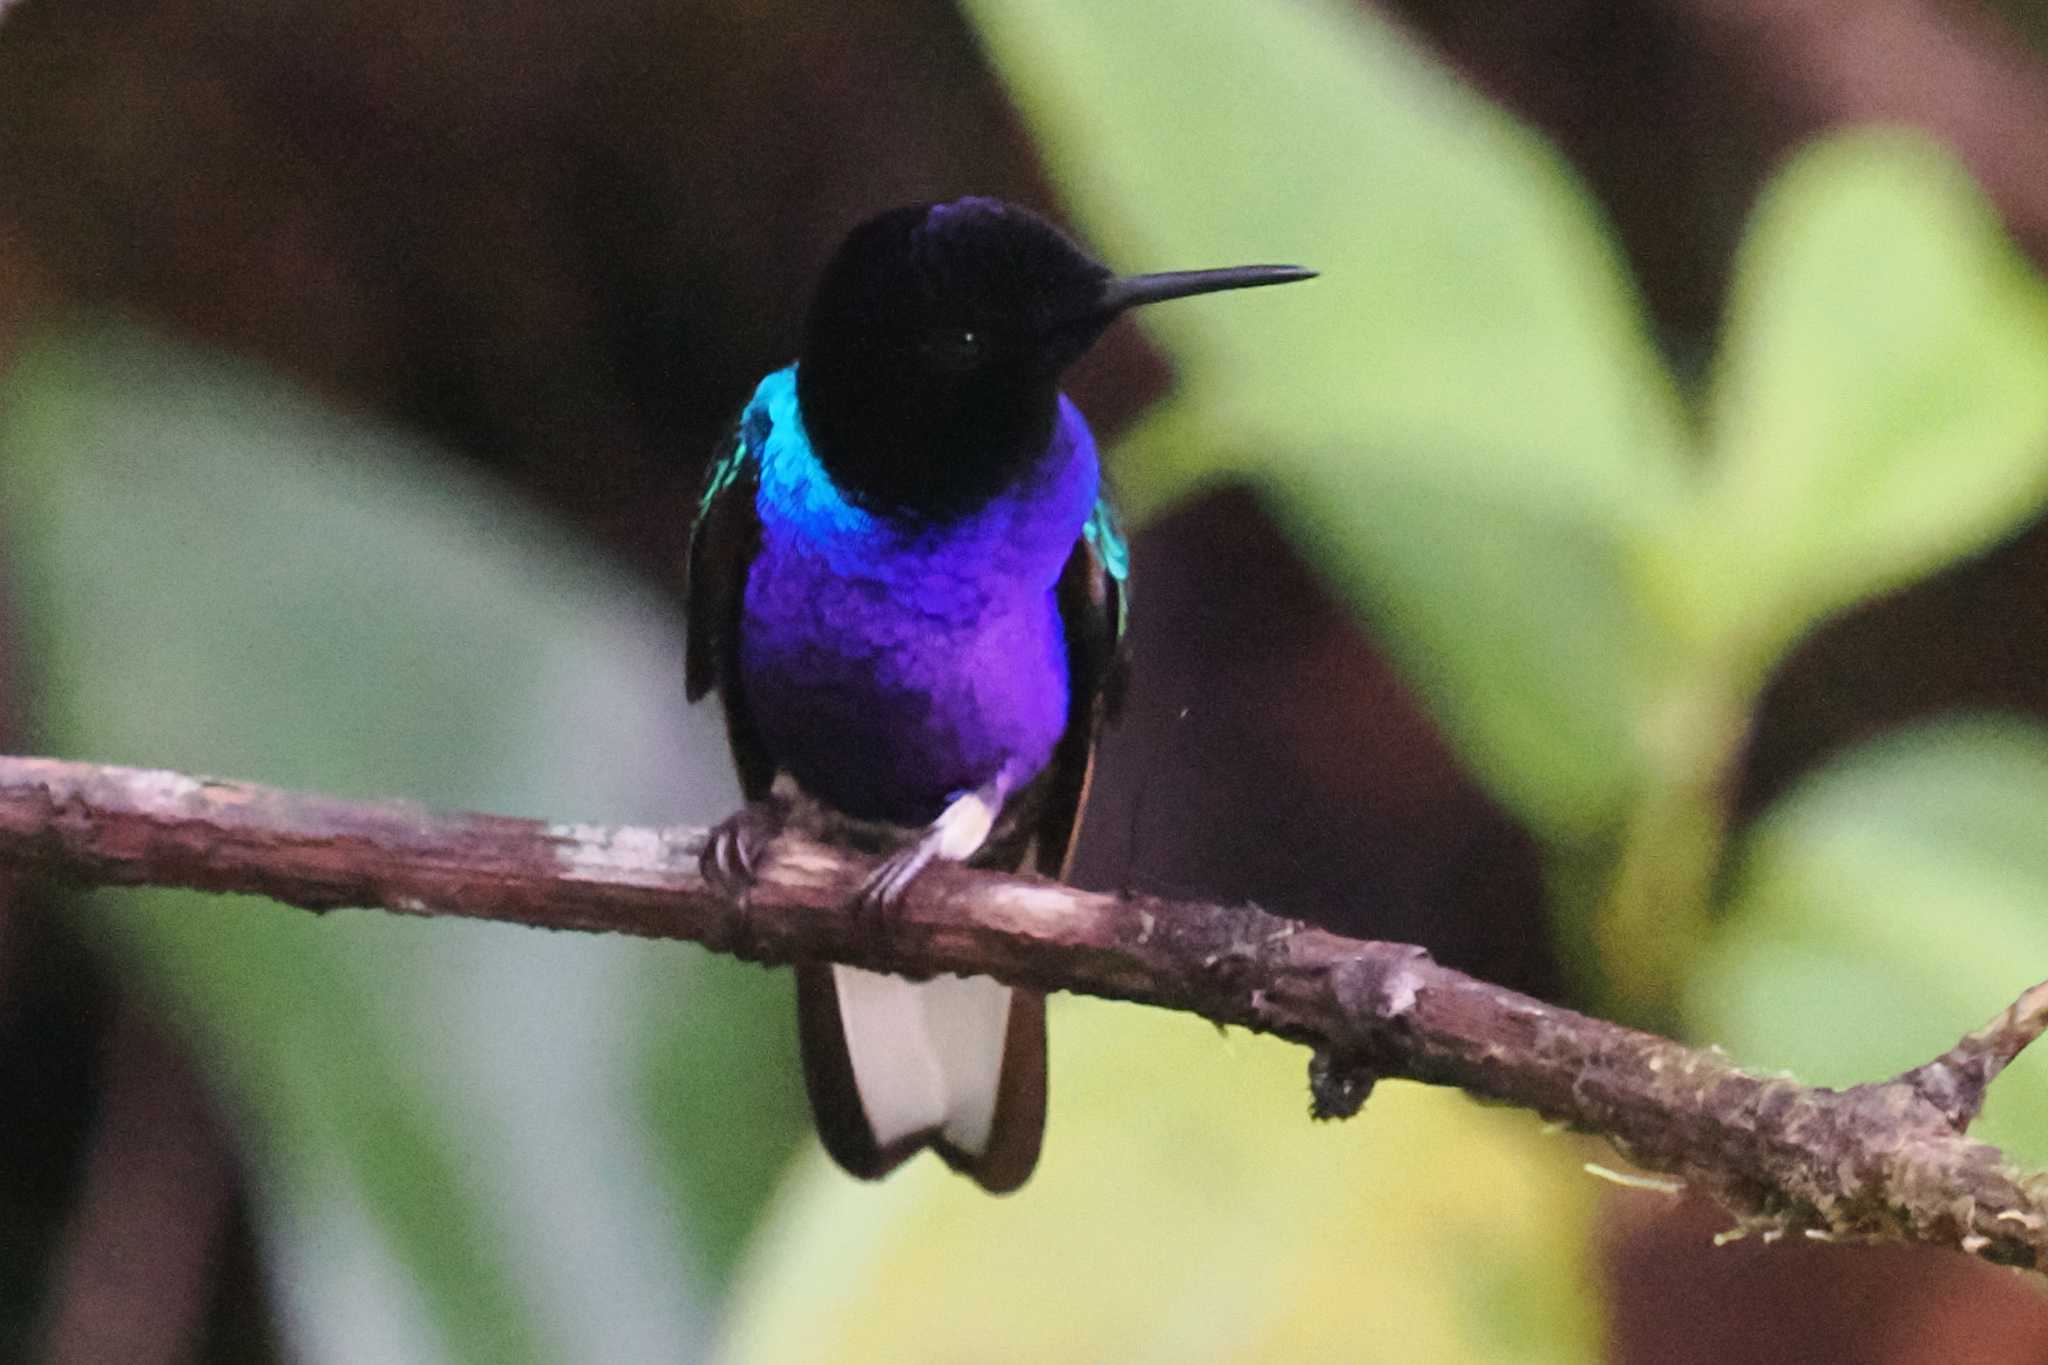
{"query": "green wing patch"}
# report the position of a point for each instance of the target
(1105, 536)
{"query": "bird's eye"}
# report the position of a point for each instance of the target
(957, 348)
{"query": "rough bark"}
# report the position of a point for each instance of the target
(1889, 1160)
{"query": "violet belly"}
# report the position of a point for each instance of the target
(886, 713)
(891, 665)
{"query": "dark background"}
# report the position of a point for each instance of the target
(564, 241)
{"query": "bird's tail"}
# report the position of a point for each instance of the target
(956, 1064)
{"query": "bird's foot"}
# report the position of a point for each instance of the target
(959, 832)
(731, 859)
(886, 886)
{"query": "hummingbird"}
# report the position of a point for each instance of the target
(910, 592)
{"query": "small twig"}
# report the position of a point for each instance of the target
(1956, 1082)
(1886, 1161)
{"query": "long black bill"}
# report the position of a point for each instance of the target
(1129, 291)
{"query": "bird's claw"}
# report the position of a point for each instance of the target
(886, 886)
(731, 859)
(961, 830)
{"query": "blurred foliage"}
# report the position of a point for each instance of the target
(1468, 392)
(466, 1134)
(723, 1102)
(1470, 432)
(1880, 405)
(1889, 905)
(221, 577)
(1184, 1220)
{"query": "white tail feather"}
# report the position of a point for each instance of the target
(968, 1018)
(925, 1055)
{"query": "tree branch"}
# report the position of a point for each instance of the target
(1884, 1161)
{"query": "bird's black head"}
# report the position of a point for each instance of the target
(929, 376)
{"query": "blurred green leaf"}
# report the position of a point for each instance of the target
(1186, 1211)
(221, 576)
(724, 1102)
(1888, 906)
(1881, 402)
(1463, 418)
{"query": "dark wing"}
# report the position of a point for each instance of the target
(723, 542)
(1094, 604)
